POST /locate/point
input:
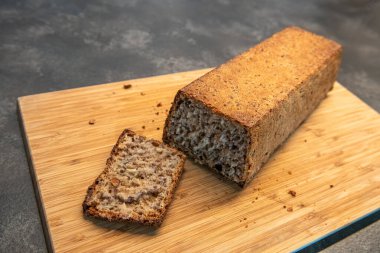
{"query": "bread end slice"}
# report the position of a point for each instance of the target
(138, 182)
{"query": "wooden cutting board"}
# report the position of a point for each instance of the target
(332, 162)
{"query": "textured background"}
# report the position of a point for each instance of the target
(53, 45)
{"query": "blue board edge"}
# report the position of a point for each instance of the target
(340, 233)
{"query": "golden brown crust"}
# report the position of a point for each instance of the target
(90, 210)
(258, 78)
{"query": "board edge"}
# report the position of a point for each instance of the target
(340, 233)
(205, 70)
(36, 186)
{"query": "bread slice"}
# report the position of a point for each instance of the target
(138, 182)
(235, 116)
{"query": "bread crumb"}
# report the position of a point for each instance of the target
(158, 128)
(143, 127)
(127, 86)
(91, 122)
(257, 198)
(293, 193)
(289, 172)
(152, 120)
(159, 104)
(157, 113)
(284, 207)
(290, 209)
(245, 218)
(331, 185)
(142, 93)
(305, 140)
(246, 226)
(115, 182)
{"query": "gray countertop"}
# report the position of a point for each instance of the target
(53, 45)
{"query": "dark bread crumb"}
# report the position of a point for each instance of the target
(159, 104)
(158, 128)
(289, 172)
(127, 86)
(293, 193)
(331, 185)
(142, 93)
(143, 127)
(290, 209)
(157, 113)
(91, 122)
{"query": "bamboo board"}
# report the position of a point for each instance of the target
(332, 162)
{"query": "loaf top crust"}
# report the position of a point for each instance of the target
(250, 85)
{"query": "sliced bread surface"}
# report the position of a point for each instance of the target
(138, 182)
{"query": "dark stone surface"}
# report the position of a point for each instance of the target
(53, 45)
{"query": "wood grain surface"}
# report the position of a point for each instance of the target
(332, 163)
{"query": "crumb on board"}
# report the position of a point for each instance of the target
(290, 209)
(152, 120)
(293, 193)
(246, 226)
(305, 140)
(142, 93)
(91, 122)
(143, 127)
(245, 218)
(331, 185)
(127, 86)
(157, 113)
(159, 104)
(257, 198)
(158, 128)
(284, 207)
(289, 172)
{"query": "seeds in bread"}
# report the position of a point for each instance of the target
(138, 182)
(235, 116)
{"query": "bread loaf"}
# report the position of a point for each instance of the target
(138, 182)
(235, 116)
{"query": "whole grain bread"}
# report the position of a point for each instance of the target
(235, 116)
(138, 182)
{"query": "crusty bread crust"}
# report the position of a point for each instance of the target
(90, 210)
(269, 90)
